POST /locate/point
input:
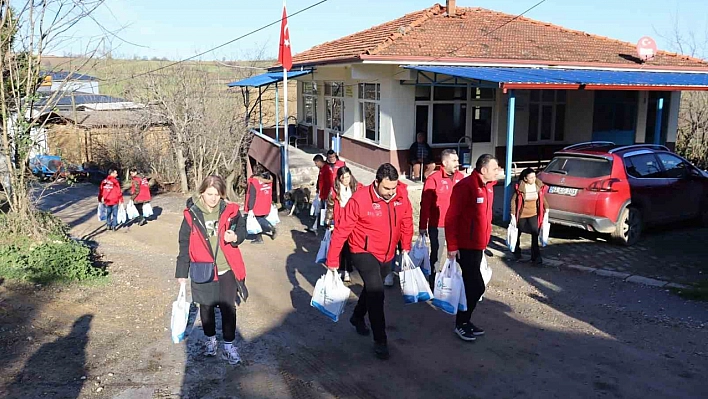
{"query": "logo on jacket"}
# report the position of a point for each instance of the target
(397, 203)
(376, 206)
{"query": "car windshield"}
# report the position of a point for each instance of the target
(580, 167)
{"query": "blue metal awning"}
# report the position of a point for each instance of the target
(588, 79)
(267, 78)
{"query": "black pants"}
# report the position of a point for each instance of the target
(371, 299)
(470, 261)
(226, 304)
(529, 226)
(437, 251)
(345, 261)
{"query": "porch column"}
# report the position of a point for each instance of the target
(260, 110)
(509, 153)
(657, 127)
(277, 117)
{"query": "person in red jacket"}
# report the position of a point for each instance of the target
(211, 232)
(323, 186)
(259, 199)
(375, 220)
(433, 207)
(528, 207)
(111, 195)
(334, 164)
(468, 228)
(139, 193)
(344, 187)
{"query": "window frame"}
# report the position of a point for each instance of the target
(469, 102)
(331, 98)
(554, 104)
(361, 106)
(309, 93)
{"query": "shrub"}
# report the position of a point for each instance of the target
(56, 258)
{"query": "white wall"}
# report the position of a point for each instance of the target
(642, 110)
(579, 110)
(671, 129)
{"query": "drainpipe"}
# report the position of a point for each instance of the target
(509, 153)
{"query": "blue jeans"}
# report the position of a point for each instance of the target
(111, 216)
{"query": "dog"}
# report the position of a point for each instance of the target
(300, 198)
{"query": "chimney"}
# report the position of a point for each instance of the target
(451, 8)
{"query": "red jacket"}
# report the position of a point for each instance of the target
(110, 192)
(518, 201)
(140, 190)
(259, 196)
(333, 171)
(468, 223)
(436, 198)
(373, 225)
(337, 209)
(324, 182)
(199, 248)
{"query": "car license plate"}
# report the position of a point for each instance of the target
(563, 191)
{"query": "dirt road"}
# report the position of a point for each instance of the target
(550, 333)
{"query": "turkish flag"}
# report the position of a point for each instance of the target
(285, 56)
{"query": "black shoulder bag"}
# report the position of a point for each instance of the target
(203, 272)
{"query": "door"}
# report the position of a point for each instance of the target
(685, 190)
(481, 134)
(648, 186)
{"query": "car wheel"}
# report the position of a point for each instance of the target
(629, 227)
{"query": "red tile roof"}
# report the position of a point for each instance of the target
(481, 35)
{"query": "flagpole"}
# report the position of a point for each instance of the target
(286, 160)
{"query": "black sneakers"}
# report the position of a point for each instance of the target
(465, 332)
(360, 326)
(381, 351)
(468, 332)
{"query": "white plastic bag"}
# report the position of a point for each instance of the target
(545, 230)
(147, 210)
(414, 285)
(324, 247)
(122, 216)
(273, 217)
(330, 295)
(101, 212)
(448, 287)
(180, 315)
(252, 225)
(420, 255)
(315, 207)
(131, 211)
(323, 213)
(512, 234)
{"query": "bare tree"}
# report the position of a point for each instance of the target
(692, 134)
(27, 31)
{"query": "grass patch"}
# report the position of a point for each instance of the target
(697, 292)
(55, 258)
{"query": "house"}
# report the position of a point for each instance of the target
(69, 82)
(472, 77)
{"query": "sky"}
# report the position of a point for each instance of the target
(176, 29)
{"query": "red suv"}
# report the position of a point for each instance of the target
(606, 188)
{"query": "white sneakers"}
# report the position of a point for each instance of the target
(347, 278)
(210, 346)
(388, 281)
(230, 353)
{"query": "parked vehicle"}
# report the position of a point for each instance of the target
(47, 167)
(606, 188)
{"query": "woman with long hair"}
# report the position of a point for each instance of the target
(528, 206)
(209, 237)
(345, 185)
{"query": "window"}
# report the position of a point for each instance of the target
(547, 115)
(614, 110)
(309, 101)
(449, 122)
(580, 167)
(334, 104)
(369, 110)
(674, 167)
(644, 166)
